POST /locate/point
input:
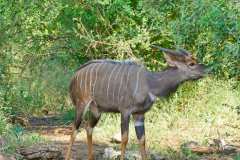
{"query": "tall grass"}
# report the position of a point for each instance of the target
(14, 136)
(43, 42)
(3, 124)
(199, 111)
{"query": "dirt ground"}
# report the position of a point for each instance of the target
(58, 133)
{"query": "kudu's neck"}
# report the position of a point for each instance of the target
(163, 83)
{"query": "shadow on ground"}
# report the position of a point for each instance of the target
(57, 132)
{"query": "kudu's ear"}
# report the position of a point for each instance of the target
(171, 59)
(174, 57)
(179, 57)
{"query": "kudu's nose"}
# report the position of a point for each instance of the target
(207, 70)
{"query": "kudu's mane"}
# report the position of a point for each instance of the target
(126, 62)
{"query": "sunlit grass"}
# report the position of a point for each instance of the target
(199, 111)
(210, 111)
(15, 136)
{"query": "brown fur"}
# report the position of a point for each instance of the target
(128, 88)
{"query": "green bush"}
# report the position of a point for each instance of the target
(199, 111)
(3, 124)
(43, 42)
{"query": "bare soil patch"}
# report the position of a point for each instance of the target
(58, 133)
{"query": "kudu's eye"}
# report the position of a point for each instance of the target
(191, 64)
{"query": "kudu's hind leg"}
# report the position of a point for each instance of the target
(140, 132)
(89, 129)
(124, 131)
(72, 139)
(75, 127)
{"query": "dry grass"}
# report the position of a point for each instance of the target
(210, 112)
(200, 111)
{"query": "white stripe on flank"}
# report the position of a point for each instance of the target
(77, 75)
(96, 76)
(120, 85)
(80, 81)
(90, 81)
(102, 81)
(136, 88)
(129, 69)
(110, 78)
(85, 82)
(119, 69)
(128, 76)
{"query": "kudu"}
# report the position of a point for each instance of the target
(127, 88)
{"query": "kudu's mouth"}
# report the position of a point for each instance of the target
(206, 71)
(202, 71)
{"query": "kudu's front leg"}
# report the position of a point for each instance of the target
(124, 131)
(140, 132)
(89, 129)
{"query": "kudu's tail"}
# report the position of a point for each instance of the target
(72, 91)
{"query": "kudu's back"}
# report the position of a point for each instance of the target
(113, 85)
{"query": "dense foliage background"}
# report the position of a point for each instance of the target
(43, 42)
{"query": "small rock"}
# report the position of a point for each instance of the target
(2, 142)
(155, 156)
(220, 143)
(133, 155)
(229, 149)
(117, 138)
(190, 144)
(3, 157)
(110, 153)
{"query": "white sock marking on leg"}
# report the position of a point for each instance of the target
(138, 123)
